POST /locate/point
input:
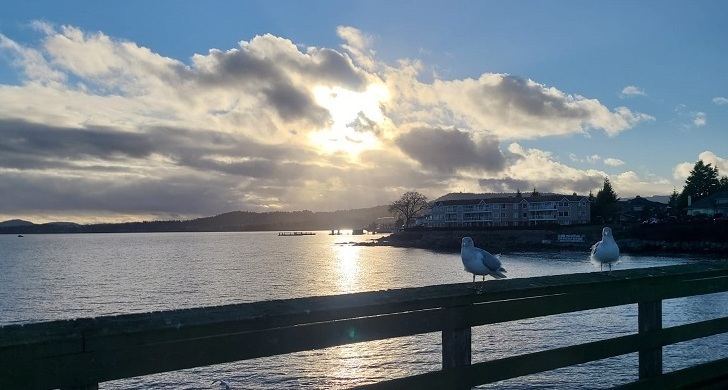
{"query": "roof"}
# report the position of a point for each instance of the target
(477, 198)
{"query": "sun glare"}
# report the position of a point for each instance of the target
(355, 116)
(347, 257)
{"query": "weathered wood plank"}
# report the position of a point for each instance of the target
(649, 320)
(710, 375)
(533, 363)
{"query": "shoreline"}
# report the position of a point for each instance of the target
(633, 240)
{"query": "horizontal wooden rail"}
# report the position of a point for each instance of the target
(75, 353)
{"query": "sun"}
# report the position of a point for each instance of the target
(355, 118)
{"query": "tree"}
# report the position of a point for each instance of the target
(723, 183)
(408, 206)
(673, 202)
(703, 181)
(605, 203)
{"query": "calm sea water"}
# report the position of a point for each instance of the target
(49, 277)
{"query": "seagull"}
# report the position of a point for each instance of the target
(605, 251)
(479, 262)
(223, 384)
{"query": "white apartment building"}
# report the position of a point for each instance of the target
(508, 211)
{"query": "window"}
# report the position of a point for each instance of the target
(525, 215)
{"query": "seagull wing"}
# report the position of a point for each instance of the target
(594, 247)
(492, 263)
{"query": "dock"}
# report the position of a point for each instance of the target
(290, 234)
(81, 353)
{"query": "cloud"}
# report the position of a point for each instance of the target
(448, 150)
(512, 108)
(593, 159)
(631, 90)
(613, 162)
(720, 101)
(534, 168)
(628, 184)
(682, 171)
(101, 126)
(700, 119)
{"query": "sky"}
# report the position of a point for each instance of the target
(154, 110)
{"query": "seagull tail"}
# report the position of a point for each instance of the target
(498, 274)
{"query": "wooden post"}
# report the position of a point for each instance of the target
(650, 319)
(94, 386)
(456, 345)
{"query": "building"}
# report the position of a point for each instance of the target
(640, 209)
(715, 205)
(471, 210)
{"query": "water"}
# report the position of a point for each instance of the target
(49, 277)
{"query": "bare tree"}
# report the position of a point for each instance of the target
(408, 206)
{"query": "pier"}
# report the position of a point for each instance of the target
(288, 234)
(81, 353)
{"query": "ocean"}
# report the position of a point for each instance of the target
(50, 277)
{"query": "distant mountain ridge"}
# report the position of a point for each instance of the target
(15, 223)
(231, 221)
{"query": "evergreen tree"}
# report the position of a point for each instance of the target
(604, 208)
(703, 181)
(673, 202)
(723, 183)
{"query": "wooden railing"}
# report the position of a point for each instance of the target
(84, 352)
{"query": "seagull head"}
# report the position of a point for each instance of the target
(468, 242)
(607, 232)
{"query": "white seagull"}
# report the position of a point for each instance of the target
(605, 251)
(479, 262)
(223, 384)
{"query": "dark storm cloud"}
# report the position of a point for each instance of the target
(191, 194)
(292, 104)
(448, 150)
(517, 93)
(580, 185)
(506, 184)
(25, 144)
(336, 69)
(267, 71)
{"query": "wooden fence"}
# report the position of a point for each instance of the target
(79, 354)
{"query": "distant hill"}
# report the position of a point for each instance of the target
(232, 221)
(15, 223)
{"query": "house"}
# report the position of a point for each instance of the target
(711, 206)
(479, 210)
(640, 209)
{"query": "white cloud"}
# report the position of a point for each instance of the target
(515, 108)
(700, 119)
(720, 101)
(682, 170)
(613, 162)
(593, 159)
(629, 184)
(631, 90)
